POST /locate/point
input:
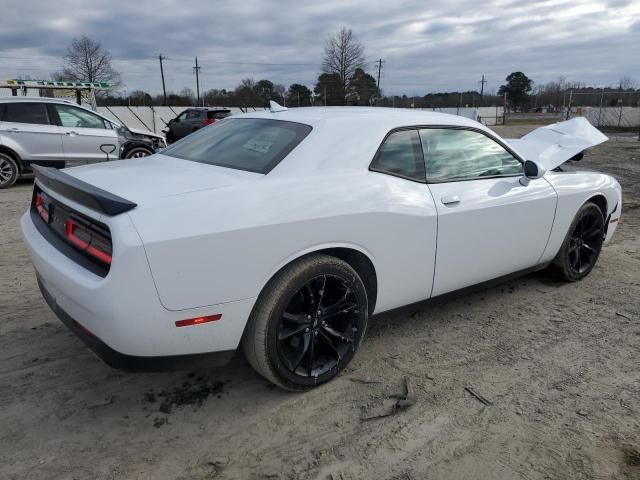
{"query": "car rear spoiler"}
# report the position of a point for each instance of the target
(82, 192)
(554, 144)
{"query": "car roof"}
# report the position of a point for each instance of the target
(9, 99)
(379, 116)
(206, 109)
(344, 138)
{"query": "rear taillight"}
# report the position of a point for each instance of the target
(208, 121)
(42, 209)
(89, 241)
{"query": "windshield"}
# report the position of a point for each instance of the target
(252, 144)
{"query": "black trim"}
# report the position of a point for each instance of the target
(446, 297)
(82, 192)
(131, 363)
(57, 164)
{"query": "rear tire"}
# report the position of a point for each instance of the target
(9, 171)
(582, 245)
(307, 323)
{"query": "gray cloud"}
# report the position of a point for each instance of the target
(427, 46)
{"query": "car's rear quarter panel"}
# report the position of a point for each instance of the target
(222, 246)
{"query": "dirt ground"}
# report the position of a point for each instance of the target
(558, 362)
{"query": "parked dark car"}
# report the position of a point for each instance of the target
(193, 119)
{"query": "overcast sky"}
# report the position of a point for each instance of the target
(426, 46)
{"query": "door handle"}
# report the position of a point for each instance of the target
(72, 133)
(14, 130)
(450, 199)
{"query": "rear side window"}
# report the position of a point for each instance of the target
(251, 144)
(194, 114)
(35, 113)
(400, 155)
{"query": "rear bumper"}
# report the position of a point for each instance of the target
(132, 363)
(123, 309)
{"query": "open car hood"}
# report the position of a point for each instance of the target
(552, 145)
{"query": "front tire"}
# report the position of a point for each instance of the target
(138, 152)
(9, 171)
(582, 245)
(308, 323)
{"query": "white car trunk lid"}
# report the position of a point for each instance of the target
(157, 176)
(554, 144)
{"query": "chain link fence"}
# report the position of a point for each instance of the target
(612, 109)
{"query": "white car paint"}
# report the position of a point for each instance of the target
(205, 240)
(554, 144)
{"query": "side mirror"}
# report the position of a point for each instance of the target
(532, 171)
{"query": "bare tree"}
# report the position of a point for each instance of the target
(343, 54)
(87, 61)
(627, 83)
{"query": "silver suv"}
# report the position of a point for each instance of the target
(58, 133)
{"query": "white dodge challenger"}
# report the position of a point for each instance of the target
(282, 231)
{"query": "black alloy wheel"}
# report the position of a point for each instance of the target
(585, 242)
(581, 248)
(319, 326)
(308, 322)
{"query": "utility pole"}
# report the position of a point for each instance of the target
(164, 89)
(379, 62)
(196, 69)
(482, 82)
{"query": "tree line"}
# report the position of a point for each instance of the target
(344, 81)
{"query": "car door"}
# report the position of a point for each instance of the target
(85, 135)
(180, 126)
(489, 224)
(26, 128)
(194, 120)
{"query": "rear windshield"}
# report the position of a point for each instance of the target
(251, 144)
(218, 114)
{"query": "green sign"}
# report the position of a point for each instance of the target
(51, 84)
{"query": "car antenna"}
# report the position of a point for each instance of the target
(274, 107)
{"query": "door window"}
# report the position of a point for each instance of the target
(77, 117)
(400, 155)
(35, 113)
(453, 155)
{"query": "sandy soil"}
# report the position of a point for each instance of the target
(558, 362)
